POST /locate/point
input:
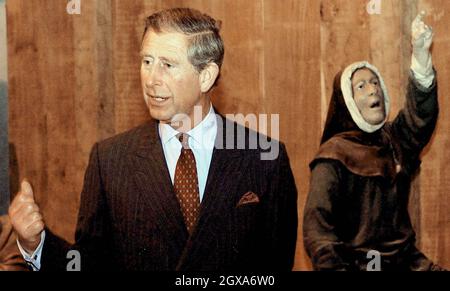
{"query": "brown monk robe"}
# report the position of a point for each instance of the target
(360, 181)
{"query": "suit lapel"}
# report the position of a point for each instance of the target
(158, 199)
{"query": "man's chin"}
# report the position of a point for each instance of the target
(179, 121)
(173, 122)
(160, 116)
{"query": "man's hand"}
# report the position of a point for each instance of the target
(421, 38)
(26, 218)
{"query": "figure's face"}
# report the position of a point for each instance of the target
(170, 83)
(368, 96)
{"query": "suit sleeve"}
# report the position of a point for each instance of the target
(286, 214)
(322, 244)
(92, 241)
(415, 123)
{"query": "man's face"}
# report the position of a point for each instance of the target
(368, 96)
(170, 83)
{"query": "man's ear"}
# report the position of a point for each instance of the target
(208, 76)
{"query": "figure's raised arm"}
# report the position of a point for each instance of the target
(421, 40)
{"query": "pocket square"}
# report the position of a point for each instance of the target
(247, 198)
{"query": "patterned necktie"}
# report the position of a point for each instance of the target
(186, 183)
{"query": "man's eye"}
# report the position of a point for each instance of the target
(146, 62)
(167, 65)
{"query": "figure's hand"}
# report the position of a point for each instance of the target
(26, 218)
(421, 34)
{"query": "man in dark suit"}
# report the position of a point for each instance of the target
(188, 190)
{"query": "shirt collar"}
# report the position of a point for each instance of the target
(197, 134)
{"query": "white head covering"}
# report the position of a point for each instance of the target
(347, 92)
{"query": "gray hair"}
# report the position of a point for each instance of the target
(204, 42)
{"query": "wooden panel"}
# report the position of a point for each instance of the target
(30, 49)
(291, 88)
(241, 88)
(58, 81)
(435, 177)
(4, 150)
(129, 106)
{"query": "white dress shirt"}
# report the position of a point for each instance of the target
(34, 261)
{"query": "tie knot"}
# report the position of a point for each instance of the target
(184, 140)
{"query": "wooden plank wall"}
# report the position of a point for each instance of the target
(74, 79)
(4, 149)
(434, 179)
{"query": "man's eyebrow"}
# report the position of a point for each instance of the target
(166, 59)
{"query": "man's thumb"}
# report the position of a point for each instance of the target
(25, 188)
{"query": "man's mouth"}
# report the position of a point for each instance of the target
(158, 98)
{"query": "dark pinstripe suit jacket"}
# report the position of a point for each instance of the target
(130, 218)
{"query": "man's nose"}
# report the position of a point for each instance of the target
(153, 76)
